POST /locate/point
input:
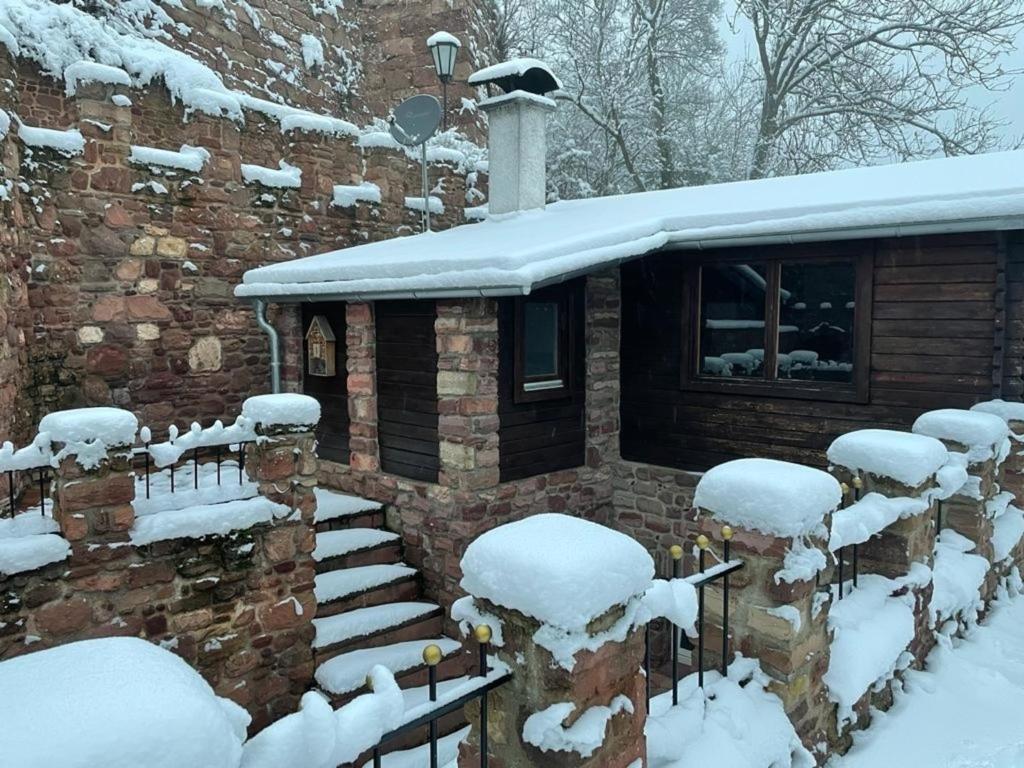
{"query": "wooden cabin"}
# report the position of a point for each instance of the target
(596, 354)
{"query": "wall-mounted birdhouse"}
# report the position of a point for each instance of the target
(320, 348)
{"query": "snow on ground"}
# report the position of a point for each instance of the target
(115, 702)
(962, 711)
(733, 723)
(872, 630)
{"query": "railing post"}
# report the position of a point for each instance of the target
(432, 657)
(676, 552)
(702, 546)
(727, 556)
(483, 637)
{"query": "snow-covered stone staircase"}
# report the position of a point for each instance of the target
(369, 607)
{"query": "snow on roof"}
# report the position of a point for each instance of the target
(903, 456)
(120, 703)
(561, 570)
(514, 253)
(511, 68)
(775, 497)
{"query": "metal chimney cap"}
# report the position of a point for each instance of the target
(530, 75)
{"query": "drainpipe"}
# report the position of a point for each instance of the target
(260, 307)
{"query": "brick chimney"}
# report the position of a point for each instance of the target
(517, 133)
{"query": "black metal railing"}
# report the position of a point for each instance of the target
(432, 656)
(700, 580)
(841, 562)
(227, 456)
(32, 477)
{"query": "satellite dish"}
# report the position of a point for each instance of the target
(415, 120)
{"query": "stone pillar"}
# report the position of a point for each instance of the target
(362, 387)
(554, 682)
(283, 464)
(896, 472)
(467, 394)
(1011, 473)
(93, 485)
(777, 612)
(980, 439)
(603, 312)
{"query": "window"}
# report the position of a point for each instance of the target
(542, 346)
(782, 321)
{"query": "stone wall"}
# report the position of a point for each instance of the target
(119, 278)
(237, 607)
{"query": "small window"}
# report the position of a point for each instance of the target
(787, 322)
(542, 341)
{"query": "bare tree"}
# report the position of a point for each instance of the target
(853, 80)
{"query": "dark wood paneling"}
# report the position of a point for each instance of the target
(407, 388)
(933, 318)
(331, 391)
(543, 436)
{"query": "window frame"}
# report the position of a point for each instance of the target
(564, 298)
(773, 257)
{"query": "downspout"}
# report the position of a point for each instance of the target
(260, 307)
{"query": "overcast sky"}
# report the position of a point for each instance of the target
(1008, 105)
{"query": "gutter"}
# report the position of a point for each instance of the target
(260, 308)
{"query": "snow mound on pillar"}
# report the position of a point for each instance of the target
(903, 456)
(560, 570)
(115, 702)
(282, 410)
(1001, 408)
(110, 426)
(774, 497)
(984, 434)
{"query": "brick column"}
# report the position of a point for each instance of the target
(893, 551)
(467, 394)
(362, 387)
(966, 511)
(93, 486)
(603, 313)
(793, 651)
(283, 464)
(550, 691)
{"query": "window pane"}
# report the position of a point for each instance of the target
(540, 331)
(732, 304)
(816, 321)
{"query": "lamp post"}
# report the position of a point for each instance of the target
(444, 47)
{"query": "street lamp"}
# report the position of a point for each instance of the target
(444, 47)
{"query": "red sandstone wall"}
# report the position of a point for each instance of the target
(124, 297)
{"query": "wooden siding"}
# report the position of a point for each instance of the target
(331, 391)
(1013, 343)
(933, 331)
(407, 388)
(548, 435)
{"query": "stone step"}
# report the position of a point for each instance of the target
(372, 519)
(388, 552)
(345, 674)
(401, 589)
(347, 541)
(336, 506)
(375, 625)
(349, 582)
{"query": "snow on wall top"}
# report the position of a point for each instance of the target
(903, 456)
(127, 695)
(511, 254)
(982, 433)
(774, 497)
(110, 426)
(188, 158)
(560, 570)
(512, 68)
(1001, 408)
(283, 409)
(69, 143)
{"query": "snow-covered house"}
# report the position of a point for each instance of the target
(632, 339)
